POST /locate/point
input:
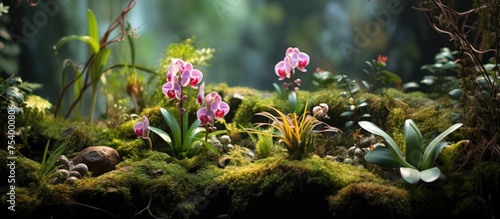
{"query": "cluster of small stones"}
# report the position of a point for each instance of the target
(223, 144)
(68, 172)
(355, 154)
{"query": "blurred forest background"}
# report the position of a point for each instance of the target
(249, 37)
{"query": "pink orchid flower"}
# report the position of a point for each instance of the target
(141, 128)
(283, 69)
(190, 76)
(177, 65)
(298, 59)
(294, 58)
(214, 108)
(321, 111)
(172, 89)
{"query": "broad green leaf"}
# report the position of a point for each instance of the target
(456, 93)
(349, 124)
(434, 155)
(94, 44)
(391, 144)
(430, 175)
(410, 85)
(163, 135)
(174, 126)
(279, 90)
(450, 65)
(190, 134)
(93, 27)
(410, 175)
(413, 139)
(292, 101)
(346, 114)
(429, 156)
(13, 93)
(382, 156)
(363, 104)
(390, 77)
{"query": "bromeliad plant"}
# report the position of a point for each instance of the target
(185, 138)
(294, 59)
(415, 166)
(296, 132)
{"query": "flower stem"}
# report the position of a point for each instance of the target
(150, 144)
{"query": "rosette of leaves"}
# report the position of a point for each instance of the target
(417, 164)
(295, 132)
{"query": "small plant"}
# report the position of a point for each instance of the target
(354, 106)
(264, 142)
(48, 169)
(294, 59)
(378, 76)
(297, 133)
(184, 137)
(415, 166)
(444, 71)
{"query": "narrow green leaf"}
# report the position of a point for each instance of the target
(174, 127)
(163, 135)
(210, 147)
(391, 144)
(431, 150)
(413, 139)
(94, 44)
(93, 27)
(100, 60)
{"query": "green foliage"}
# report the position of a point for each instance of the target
(13, 92)
(443, 71)
(415, 166)
(355, 108)
(264, 142)
(184, 143)
(378, 76)
(48, 166)
(297, 133)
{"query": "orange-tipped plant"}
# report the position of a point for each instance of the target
(295, 132)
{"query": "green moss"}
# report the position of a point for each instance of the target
(245, 114)
(370, 200)
(26, 170)
(285, 181)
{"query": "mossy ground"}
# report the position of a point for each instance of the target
(151, 183)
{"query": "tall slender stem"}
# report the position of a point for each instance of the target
(182, 117)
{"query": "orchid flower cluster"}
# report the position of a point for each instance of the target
(294, 59)
(181, 75)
